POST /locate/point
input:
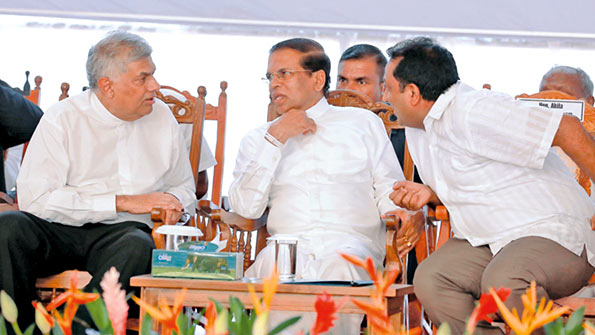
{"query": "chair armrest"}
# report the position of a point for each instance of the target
(439, 213)
(231, 219)
(158, 218)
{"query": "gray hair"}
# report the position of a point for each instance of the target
(110, 56)
(586, 82)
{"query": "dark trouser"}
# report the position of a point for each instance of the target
(31, 247)
(450, 281)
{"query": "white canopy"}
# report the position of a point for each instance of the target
(551, 20)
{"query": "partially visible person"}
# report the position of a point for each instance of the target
(573, 81)
(516, 212)
(324, 172)
(567, 79)
(18, 119)
(96, 165)
(361, 68)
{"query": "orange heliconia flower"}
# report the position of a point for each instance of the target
(485, 307)
(165, 315)
(269, 287)
(376, 310)
(326, 310)
(73, 298)
(534, 316)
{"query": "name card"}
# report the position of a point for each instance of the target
(571, 107)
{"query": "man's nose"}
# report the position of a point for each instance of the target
(352, 86)
(274, 82)
(153, 85)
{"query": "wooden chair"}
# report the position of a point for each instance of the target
(191, 111)
(218, 113)
(35, 93)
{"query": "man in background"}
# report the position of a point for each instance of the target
(570, 80)
(575, 82)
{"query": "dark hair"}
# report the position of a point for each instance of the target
(314, 59)
(360, 51)
(426, 64)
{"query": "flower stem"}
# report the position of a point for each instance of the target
(16, 328)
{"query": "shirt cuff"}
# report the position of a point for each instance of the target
(269, 155)
(105, 204)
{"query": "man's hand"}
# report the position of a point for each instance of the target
(413, 196)
(291, 124)
(593, 222)
(143, 203)
(412, 225)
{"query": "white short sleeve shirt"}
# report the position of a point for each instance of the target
(489, 160)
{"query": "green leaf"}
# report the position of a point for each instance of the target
(100, 316)
(238, 318)
(129, 295)
(183, 323)
(30, 329)
(147, 327)
(217, 305)
(57, 330)
(574, 325)
(287, 323)
(554, 327)
(444, 329)
(2, 326)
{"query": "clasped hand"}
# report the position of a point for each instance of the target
(412, 196)
(292, 123)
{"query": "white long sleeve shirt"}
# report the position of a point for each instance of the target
(81, 156)
(330, 187)
(489, 160)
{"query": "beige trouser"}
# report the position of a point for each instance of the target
(450, 281)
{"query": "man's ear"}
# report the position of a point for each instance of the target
(320, 79)
(105, 87)
(414, 94)
(382, 87)
(590, 100)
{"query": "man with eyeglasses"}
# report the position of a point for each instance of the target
(324, 172)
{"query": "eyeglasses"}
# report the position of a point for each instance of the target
(282, 75)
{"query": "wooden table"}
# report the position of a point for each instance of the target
(289, 297)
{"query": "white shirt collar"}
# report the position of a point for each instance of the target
(318, 109)
(99, 110)
(441, 103)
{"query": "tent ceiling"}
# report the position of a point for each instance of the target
(564, 20)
